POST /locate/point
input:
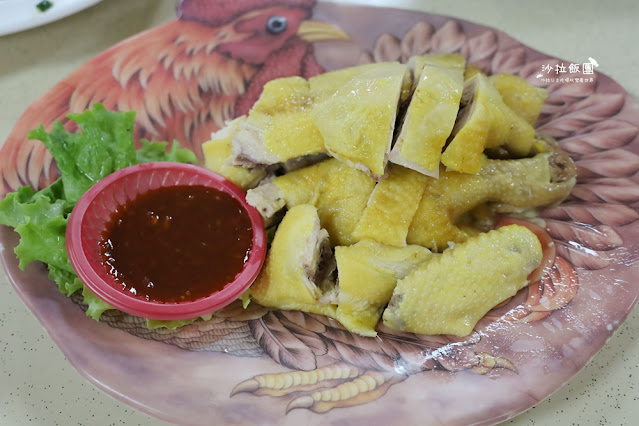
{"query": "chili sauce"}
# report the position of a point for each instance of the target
(176, 244)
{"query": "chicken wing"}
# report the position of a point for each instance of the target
(450, 293)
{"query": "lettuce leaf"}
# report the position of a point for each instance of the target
(41, 220)
(156, 151)
(12, 213)
(95, 305)
(246, 298)
(152, 324)
(104, 146)
(68, 282)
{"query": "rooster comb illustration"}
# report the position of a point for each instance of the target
(219, 12)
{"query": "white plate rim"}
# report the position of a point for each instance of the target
(20, 15)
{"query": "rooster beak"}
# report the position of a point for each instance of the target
(313, 31)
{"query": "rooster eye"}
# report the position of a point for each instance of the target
(276, 24)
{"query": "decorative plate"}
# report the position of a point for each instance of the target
(19, 15)
(185, 78)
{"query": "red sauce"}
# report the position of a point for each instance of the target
(177, 243)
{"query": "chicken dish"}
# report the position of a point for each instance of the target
(382, 186)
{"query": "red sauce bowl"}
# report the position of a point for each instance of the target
(91, 215)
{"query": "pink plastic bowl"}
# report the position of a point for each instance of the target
(93, 211)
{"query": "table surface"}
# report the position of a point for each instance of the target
(39, 387)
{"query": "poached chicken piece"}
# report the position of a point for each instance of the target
(279, 127)
(297, 266)
(485, 121)
(522, 97)
(349, 114)
(218, 156)
(449, 294)
(391, 207)
(354, 226)
(367, 274)
(431, 114)
(358, 120)
(453, 205)
(339, 192)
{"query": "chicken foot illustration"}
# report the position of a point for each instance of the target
(325, 388)
(342, 385)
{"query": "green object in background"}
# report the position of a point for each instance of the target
(44, 5)
(104, 145)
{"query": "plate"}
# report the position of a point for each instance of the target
(19, 15)
(217, 369)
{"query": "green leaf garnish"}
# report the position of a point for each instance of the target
(104, 146)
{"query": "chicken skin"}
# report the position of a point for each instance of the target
(367, 274)
(501, 186)
(452, 292)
